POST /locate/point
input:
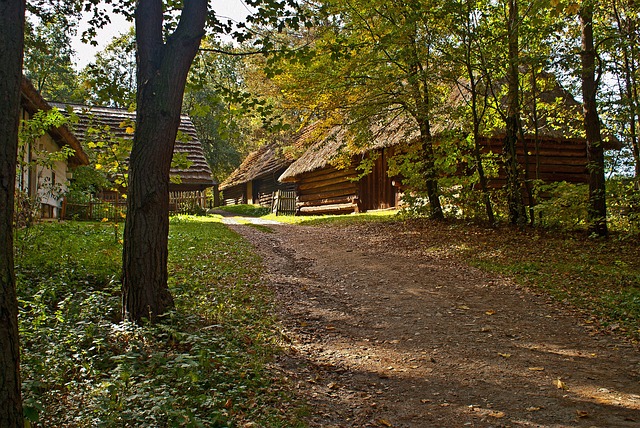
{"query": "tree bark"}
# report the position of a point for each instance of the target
(517, 212)
(162, 72)
(11, 52)
(597, 212)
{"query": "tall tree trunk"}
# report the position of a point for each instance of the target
(420, 93)
(517, 213)
(162, 73)
(627, 28)
(11, 51)
(595, 153)
(428, 171)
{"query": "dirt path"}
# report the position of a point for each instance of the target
(385, 334)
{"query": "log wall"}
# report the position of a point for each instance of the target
(327, 191)
(552, 161)
(235, 195)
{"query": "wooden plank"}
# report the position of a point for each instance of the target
(326, 195)
(325, 174)
(341, 185)
(329, 201)
(305, 184)
(329, 209)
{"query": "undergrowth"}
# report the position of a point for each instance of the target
(208, 364)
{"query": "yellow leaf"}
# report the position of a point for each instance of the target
(533, 409)
(104, 220)
(490, 312)
(129, 130)
(465, 307)
(497, 415)
(98, 166)
(504, 355)
(536, 369)
(560, 384)
(384, 422)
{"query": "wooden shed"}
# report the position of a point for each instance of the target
(323, 188)
(255, 181)
(552, 146)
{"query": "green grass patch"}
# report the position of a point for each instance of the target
(246, 210)
(208, 364)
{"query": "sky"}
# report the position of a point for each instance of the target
(235, 9)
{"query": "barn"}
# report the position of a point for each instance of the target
(553, 150)
(328, 179)
(255, 181)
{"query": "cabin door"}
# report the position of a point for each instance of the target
(376, 190)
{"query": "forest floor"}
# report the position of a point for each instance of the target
(384, 326)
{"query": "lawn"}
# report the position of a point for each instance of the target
(208, 364)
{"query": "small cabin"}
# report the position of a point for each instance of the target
(255, 181)
(323, 187)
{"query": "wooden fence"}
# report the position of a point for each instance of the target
(115, 208)
(284, 202)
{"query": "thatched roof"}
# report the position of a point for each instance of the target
(561, 121)
(196, 176)
(258, 164)
(337, 140)
(33, 102)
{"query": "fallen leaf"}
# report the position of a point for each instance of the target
(560, 384)
(330, 327)
(582, 414)
(465, 307)
(536, 369)
(332, 385)
(490, 312)
(533, 409)
(385, 423)
(504, 355)
(497, 415)
(228, 404)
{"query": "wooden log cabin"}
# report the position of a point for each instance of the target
(551, 146)
(552, 151)
(323, 188)
(255, 181)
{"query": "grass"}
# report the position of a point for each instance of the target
(208, 364)
(246, 210)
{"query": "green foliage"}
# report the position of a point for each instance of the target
(206, 364)
(111, 79)
(48, 57)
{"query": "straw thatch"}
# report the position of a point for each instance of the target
(331, 143)
(197, 176)
(258, 164)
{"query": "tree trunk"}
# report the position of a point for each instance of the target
(162, 73)
(517, 213)
(428, 172)
(11, 51)
(595, 153)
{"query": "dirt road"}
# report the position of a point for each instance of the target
(384, 331)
